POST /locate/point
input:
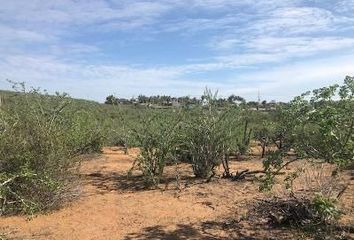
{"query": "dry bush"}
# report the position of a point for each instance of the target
(319, 178)
(309, 200)
(315, 218)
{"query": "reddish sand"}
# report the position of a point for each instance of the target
(111, 206)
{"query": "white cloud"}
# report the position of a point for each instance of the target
(288, 81)
(68, 12)
(12, 34)
(254, 4)
(96, 81)
(295, 20)
(345, 6)
(294, 46)
(72, 49)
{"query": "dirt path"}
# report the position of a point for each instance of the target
(114, 207)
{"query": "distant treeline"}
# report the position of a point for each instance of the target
(168, 101)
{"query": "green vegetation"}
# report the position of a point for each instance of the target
(320, 127)
(40, 141)
(317, 126)
(42, 138)
(155, 135)
(210, 134)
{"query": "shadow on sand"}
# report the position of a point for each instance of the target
(208, 230)
(121, 182)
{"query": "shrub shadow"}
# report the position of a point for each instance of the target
(208, 230)
(158, 232)
(121, 182)
(112, 181)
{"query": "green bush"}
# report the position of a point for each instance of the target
(209, 134)
(325, 208)
(321, 126)
(154, 135)
(322, 123)
(85, 134)
(38, 151)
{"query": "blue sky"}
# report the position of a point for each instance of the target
(93, 48)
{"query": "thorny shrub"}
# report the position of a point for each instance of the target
(37, 151)
(209, 134)
(321, 128)
(155, 136)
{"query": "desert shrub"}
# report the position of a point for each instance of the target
(205, 143)
(85, 134)
(263, 134)
(325, 208)
(321, 127)
(325, 123)
(37, 152)
(240, 141)
(154, 135)
(271, 130)
(309, 204)
(208, 134)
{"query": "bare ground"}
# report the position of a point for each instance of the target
(112, 206)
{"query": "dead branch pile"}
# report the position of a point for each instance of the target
(289, 211)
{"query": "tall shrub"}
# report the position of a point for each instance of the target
(154, 134)
(37, 151)
(210, 134)
(321, 127)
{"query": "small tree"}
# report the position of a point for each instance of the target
(112, 100)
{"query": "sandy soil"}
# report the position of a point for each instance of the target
(111, 206)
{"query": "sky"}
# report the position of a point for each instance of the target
(94, 48)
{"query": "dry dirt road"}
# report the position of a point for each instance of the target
(111, 206)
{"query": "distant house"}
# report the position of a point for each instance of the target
(176, 103)
(123, 101)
